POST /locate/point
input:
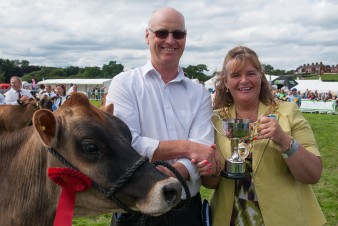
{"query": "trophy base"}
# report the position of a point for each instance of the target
(234, 176)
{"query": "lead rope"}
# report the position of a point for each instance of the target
(186, 204)
(124, 178)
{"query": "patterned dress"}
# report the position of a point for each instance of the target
(246, 209)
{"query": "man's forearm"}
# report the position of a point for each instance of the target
(168, 150)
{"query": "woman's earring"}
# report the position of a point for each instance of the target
(227, 90)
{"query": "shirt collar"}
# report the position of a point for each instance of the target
(149, 69)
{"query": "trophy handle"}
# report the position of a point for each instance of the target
(219, 118)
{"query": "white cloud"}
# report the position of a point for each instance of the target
(82, 33)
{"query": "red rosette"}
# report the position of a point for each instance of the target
(70, 178)
(71, 181)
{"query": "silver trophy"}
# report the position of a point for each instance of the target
(238, 132)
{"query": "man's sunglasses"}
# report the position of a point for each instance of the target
(163, 34)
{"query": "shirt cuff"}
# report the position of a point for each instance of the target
(192, 169)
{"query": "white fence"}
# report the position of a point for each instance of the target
(315, 106)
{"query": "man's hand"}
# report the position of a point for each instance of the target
(206, 159)
(179, 167)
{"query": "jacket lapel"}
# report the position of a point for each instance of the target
(259, 145)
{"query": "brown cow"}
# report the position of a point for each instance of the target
(97, 144)
(15, 117)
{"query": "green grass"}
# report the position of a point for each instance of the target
(325, 128)
(329, 77)
(96, 103)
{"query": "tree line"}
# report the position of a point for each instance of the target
(27, 72)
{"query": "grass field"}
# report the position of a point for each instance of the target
(325, 128)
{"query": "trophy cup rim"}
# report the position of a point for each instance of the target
(237, 120)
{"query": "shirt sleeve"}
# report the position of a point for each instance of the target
(10, 100)
(125, 108)
(192, 169)
(201, 130)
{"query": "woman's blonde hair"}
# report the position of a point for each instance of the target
(242, 55)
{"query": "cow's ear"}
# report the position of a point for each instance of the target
(109, 109)
(45, 124)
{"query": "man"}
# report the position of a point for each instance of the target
(17, 95)
(48, 92)
(169, 115)
(295, 97)
(70, 88)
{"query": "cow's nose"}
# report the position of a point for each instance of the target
(172, 193)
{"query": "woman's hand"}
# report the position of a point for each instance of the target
(269, 128)
(205, 167)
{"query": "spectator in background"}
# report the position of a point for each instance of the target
(295, 97)
(49, 92)
(61, 96)
(316, 94)
(335, 98)
(311, 96)
(41, 90)
(17, 95)
(2, 99)
(282, 95)
(70, 90)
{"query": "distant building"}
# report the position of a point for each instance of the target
(316, 68)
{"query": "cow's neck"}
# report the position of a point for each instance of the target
(26, 177)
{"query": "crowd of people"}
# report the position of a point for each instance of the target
(283, 94)
(18, 94)
(296, 96)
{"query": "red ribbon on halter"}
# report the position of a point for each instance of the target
(71, 181)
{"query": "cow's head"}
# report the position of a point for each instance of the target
(46, 102)
(99, 145)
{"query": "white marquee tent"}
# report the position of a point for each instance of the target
(83, 85)
(318, 85)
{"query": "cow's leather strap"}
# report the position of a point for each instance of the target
(110, 193)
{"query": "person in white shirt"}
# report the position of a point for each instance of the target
(72, 89)
(17, 95)
(169, 115)
(2, 99)
(48, 92)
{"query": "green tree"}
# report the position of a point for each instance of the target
(72, 71)
(2, 77)
(268, 69)
(112, 69)
(91, 72)
(57, 73)
(197, 72)
(9, 68)
(279, 72)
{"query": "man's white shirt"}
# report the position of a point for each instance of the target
(155, 111)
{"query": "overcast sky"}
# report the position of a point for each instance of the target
(61, 33)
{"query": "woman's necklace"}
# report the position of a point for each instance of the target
(246, 144)
(250, 117)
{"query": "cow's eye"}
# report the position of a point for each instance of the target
(90, 148)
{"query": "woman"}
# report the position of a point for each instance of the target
(61, 96)
(284, 157)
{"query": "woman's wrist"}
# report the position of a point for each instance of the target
(291, 150)
(286, 144)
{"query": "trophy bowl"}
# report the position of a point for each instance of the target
(236, 130)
